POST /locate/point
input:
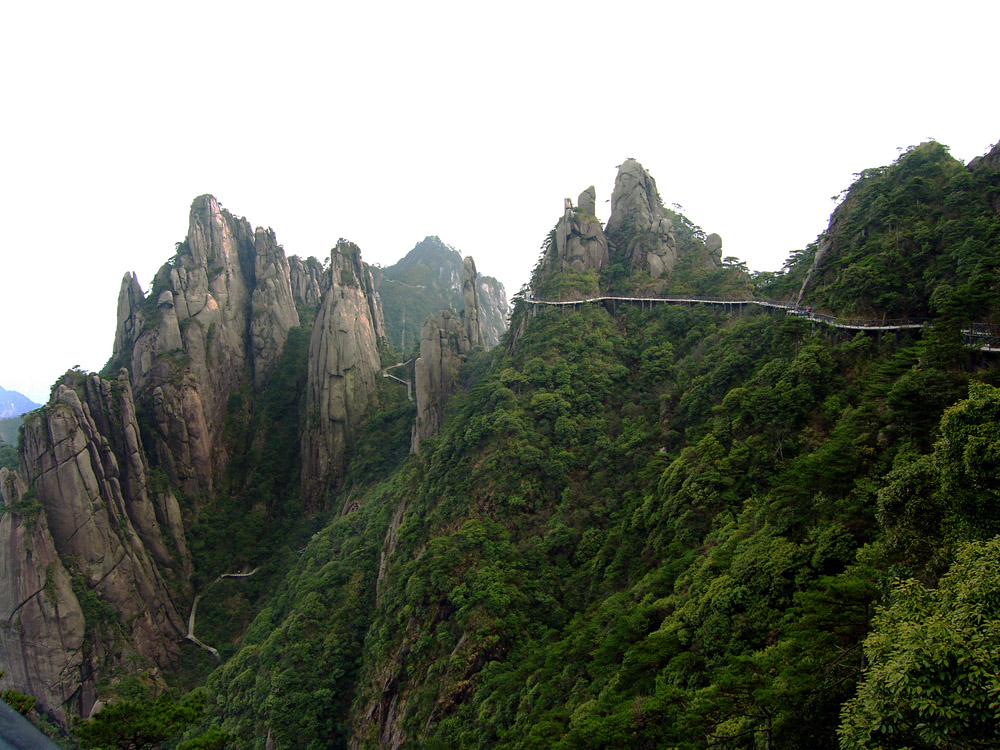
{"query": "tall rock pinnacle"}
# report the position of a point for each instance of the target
(472, 310)
(445, 343)
(638, 230)
(579, 241)
(218, 316)
(344, 362)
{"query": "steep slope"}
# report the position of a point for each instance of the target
(86, 511)
(914, 239)
(217, 317)
(426, 280)
(638, 527)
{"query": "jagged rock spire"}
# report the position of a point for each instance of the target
(638, 230)
(472, 311)
(344, 362)
(445, 342)
(218, 315)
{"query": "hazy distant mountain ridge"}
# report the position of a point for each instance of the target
(14, 404)
(427, 279)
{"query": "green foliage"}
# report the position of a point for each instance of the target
(141, 724)
(915, 239)
(933, 662)
(28, 508)
(644, 528)
(98, 615)
(23, 704)
(257, 511)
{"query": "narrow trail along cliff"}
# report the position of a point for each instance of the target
(977, 336)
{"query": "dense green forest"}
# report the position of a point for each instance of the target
(661, 527)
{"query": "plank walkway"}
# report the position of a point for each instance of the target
(978, 336)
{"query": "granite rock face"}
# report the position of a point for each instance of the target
(98, 517)
(493, 310)
(344, 362)
(42, 647)
(443, 346)
(217, 317)
(639, 230)
(579, 242)
(713, 245)
(445, 343)
(471, 310)
(308, 281)
(272, 305)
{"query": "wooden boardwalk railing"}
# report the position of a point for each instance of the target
(978, 336)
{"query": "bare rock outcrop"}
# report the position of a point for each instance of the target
(218, 316)
(41, 645)
(344, 363)
(272, 305)
(119, 539)
(493, 309)
(308, 280)
(445, 343)
(713, 245)
(471, 310)
(443, 346)
(579, 242)
(639, 230)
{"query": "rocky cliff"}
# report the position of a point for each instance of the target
(42, 645)
(471, 308)
(308, 281)
(344, 362)
(217, 317)
(639, 230)
(108, 548)
(445, 342)
(580, 242)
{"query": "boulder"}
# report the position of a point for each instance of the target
(713, 245)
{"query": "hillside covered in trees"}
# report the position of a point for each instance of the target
(638, 525)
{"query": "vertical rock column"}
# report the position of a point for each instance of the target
(344, 362)
(639, 230)
(222, 311)
(472, 315)
(445, 342)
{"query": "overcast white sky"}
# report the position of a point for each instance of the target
(387, 122)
